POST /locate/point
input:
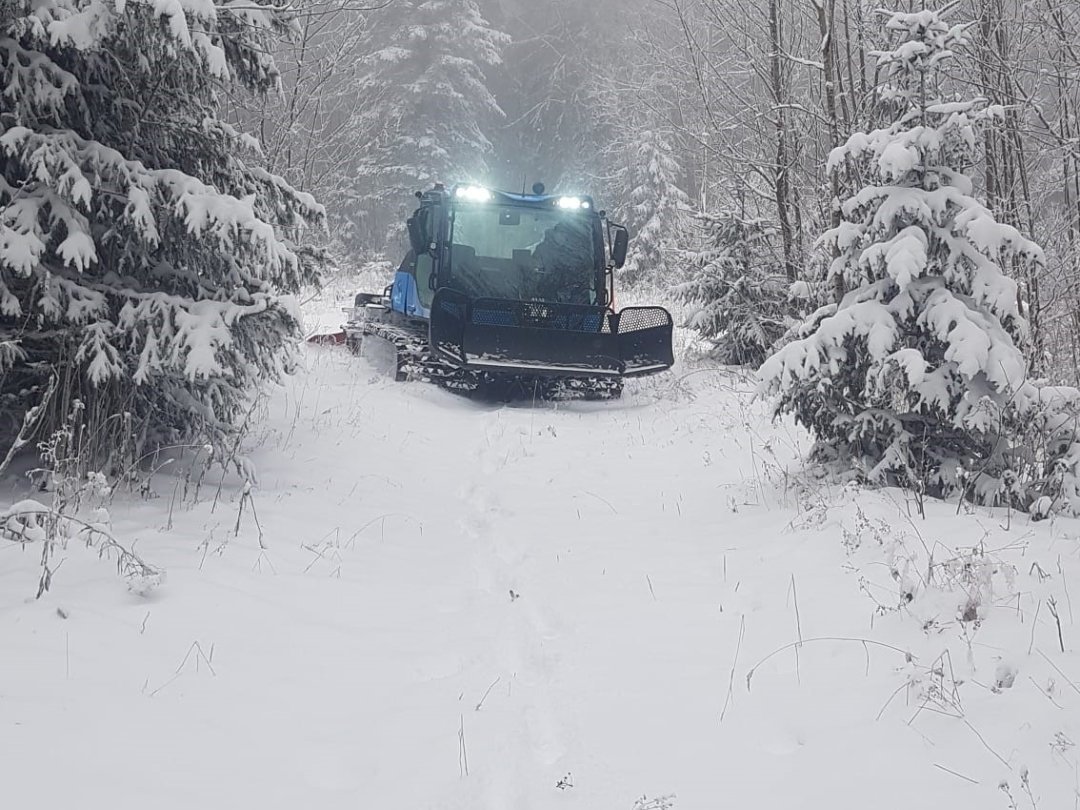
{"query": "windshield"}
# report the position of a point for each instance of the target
(523, 254)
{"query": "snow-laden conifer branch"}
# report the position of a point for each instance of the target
(139, 251)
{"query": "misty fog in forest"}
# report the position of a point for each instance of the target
(676, 115)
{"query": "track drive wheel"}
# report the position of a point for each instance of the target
(401, 369)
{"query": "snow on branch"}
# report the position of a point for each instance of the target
(139, 250)
(70, 171)
(918, 376)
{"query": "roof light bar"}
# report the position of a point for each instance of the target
(472, 193)
(572, 203)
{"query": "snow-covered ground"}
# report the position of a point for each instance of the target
(460, 605)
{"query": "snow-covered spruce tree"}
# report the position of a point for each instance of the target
(911, 377)
(657, 207)
(428, 103)
(141, 273)
(737, 289)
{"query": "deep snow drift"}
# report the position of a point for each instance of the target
(461, 605)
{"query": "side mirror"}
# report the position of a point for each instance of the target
(619, 245)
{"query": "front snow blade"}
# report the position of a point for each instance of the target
(524, 337)
(534, 337)
(644, 335)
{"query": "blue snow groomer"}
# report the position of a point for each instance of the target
(515, 290)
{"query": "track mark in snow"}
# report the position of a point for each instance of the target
(523, 734)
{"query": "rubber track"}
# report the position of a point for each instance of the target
(417, 361)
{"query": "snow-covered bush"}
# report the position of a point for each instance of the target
(913, 377)
(738, 293)
(935, 581)
(77, 509)
(143, 260)
(657, 208)
(1046, 421)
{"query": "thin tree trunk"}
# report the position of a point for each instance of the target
(781, 177)
(826, 10)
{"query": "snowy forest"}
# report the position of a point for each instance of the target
(859, 225)
(176, 177)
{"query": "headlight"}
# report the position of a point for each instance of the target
(473, 193)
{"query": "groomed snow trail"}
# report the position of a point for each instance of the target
(463, 605)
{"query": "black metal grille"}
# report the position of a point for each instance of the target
(492, 317)
(635, 319)
(453, 308)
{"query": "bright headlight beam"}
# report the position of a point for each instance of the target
(570, 203)
(473, 193)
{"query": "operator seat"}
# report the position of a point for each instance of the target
(562, 278)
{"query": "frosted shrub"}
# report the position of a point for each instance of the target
(657, 211)
(913, 377)
(738, 295)
(1047, 457)
(77, 510)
